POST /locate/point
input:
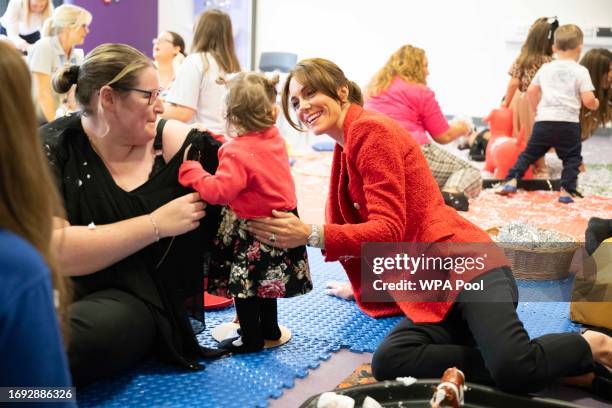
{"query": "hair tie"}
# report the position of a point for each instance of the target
(73, 73)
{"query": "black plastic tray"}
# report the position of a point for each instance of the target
(528, 185)
(396, 394)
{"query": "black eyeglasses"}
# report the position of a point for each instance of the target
(151, 94)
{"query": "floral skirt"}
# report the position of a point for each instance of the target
(243, 267)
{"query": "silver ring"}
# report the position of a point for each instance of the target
(272, 238)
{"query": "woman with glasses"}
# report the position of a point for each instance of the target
(168, 53)
(66, 28)
(133, 239)
(197, 96)
(23, 20)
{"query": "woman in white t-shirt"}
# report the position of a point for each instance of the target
(67, 27)
(197, 96)
(23, 19)
(168, 54)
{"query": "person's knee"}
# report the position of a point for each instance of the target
(515, 376)
(107, 334)
(388, 364)
(382, 365)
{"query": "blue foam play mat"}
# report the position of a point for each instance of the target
(320, 325)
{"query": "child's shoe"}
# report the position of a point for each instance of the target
(235, 345)
(506, 189)
(272, 334)
(566, 196)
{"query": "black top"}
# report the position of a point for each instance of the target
(91, 195)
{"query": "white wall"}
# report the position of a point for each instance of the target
(177, 16)
(465, 41)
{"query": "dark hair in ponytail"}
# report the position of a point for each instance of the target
(116, 65)
(320, 75)
(65, 78)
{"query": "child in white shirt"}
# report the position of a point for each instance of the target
(558, 90)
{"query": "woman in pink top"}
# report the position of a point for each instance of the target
(253, 178)
(400, 91)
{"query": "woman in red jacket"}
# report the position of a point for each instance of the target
(382, 191)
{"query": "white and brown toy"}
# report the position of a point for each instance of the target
(449, 393)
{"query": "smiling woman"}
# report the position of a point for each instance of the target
(133, 240)
(168, 53)
(381, 190)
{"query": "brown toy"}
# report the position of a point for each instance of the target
(449, 393)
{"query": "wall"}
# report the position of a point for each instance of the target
(180, 16)
(132, 22)
(177, 16)
(466, 41)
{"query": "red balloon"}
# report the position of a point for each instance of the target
(500, 124)
(504, 154)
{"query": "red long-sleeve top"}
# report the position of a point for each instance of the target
(253, 176)
(382, 190)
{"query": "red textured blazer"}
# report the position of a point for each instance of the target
(382, 190)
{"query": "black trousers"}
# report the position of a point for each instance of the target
(565, 138)
(29, 38)
(483, 336)
(110, 330)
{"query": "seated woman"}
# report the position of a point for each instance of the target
(133, 240)
(399, 90)
(23, 20)
(32, 350)
(381, 190)
(168, 53)
(66, 28)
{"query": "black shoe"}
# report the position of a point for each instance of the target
(228, 344)
(602, 384)
(597, 231)
(268, 334)
(458, 201)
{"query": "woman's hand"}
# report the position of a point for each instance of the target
(343, 290)
(282, 230)
(180, 215)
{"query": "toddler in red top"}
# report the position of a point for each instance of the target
(252, 179)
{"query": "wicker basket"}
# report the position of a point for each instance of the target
(538, 263)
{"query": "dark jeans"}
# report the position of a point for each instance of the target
(483, 336)
(565, 138)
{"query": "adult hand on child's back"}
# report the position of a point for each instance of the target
(282, 230)
(180, 215)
